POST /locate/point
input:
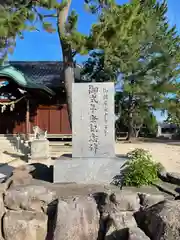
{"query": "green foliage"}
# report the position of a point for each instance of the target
(140, 169)
(143, 120)
(174, 116)
(95, 6)
(173, 109)
(136, 41)
(149, 128)
(19, 16)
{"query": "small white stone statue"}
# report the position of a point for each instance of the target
(39, 133)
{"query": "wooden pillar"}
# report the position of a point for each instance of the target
(27, 119)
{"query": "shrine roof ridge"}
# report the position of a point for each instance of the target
(22, 80)
(47, 73)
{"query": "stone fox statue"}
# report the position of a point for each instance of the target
(39, 133)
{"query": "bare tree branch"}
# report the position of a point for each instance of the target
(62, 17)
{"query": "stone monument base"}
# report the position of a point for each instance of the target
(40, 149)
(87, 170)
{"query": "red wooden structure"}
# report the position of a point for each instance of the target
(52, 118)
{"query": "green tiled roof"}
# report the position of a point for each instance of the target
(22, 80)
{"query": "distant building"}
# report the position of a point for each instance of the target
(166, 130)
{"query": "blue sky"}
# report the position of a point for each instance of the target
(40, 45)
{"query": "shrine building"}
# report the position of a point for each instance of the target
(33, 94)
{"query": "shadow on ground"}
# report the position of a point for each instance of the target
(5, 171)
(16, 155)
(42, 172)
(121, 156)
(66, 156)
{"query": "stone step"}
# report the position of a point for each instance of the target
(5, 144)
(60, 143)
(8, 145)
(60, 152)
(7, 139)
(59, 148)
(57, 154)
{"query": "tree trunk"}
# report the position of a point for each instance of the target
(68, 64)
(130, 119)
(137, 132)
(68, 77)
(130, 127)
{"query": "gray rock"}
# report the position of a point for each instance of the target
(28, 197)
(162, 175)
(147, 200)
(109, 203)
(133, 233)
(27, 167)
(173, 177)
(137, 234)
(126, 201)
(161, 221)
(24, 225)
(118, 224)
(77, 219)
(166, 187)
(114, 221)
(121, 234)
(122, 225)
(122, 219)
(20, 176)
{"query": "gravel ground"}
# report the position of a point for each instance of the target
(168, 154)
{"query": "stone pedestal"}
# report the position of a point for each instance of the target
(40, 149)
(87, 170)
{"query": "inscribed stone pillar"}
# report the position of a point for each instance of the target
(93, 120)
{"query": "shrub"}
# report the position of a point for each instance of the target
(140, 169)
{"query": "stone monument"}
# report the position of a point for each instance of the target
(93, 120)
(93, 148)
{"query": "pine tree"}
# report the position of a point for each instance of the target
(136, 41)
(18, 16)
(173, 109)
